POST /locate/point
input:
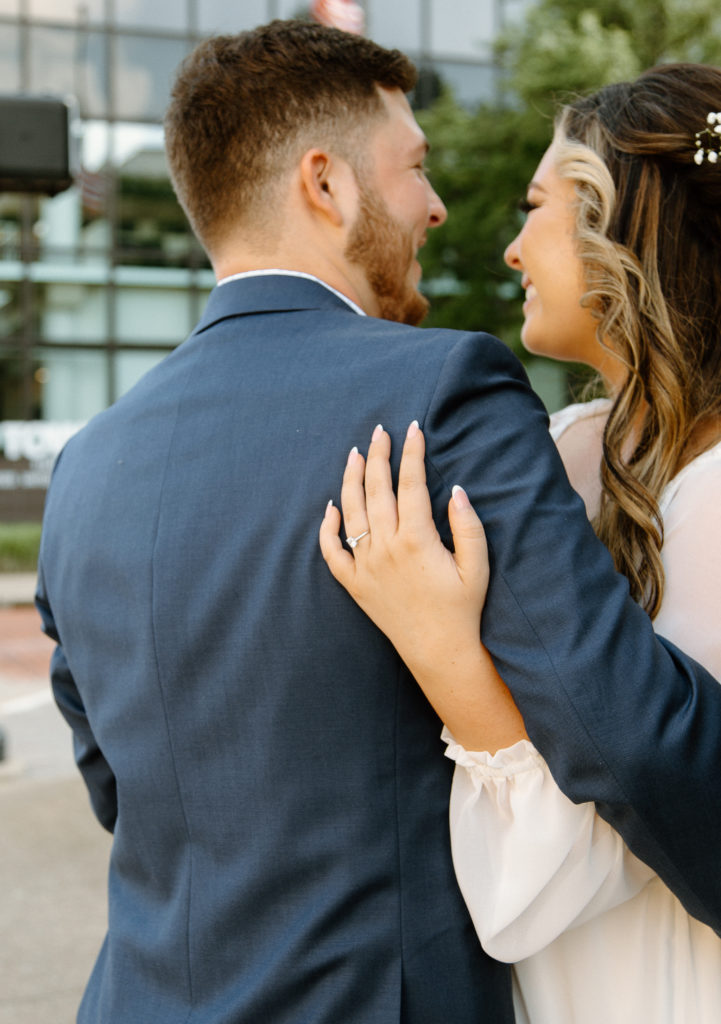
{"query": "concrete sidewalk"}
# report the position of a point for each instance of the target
(53, 854)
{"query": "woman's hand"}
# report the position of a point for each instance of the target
(427, 600)
(401, 574)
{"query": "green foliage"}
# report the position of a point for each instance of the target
(575, 46)
(556, 56)
(481, 161)
(19, 545)
(479, 164)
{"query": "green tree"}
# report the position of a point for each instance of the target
(481, 160)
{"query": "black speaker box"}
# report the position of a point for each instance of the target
(36, 144)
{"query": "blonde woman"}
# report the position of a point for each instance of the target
(620, 257)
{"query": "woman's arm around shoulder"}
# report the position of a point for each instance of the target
(427, 600)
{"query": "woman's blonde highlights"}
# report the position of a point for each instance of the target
(651, 269)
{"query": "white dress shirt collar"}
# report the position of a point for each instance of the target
(294, 273)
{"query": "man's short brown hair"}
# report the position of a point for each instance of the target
(245, 107)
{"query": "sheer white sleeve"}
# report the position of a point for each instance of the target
(530, 863)
(690, 615)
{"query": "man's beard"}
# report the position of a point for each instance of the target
(380, 245)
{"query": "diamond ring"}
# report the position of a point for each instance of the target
(353, 541)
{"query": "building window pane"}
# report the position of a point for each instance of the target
(10, 229)
(143, 72)
(462, 28)
(395, 24)
(73, 312)
(68, 10)
(58, 228)
(10, 312)
(136, 143)
(72, 229)
(94, 144)
(220, 16)
(74, 384)
(95, 185)
(9, 58)
(131, 366)
(70, 61)
(170, 15)
(147, 315)
(470, 83)
(151, 227)
(289, 9)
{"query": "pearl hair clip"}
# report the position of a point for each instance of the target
(708, 148)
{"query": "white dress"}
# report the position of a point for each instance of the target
(594, 935)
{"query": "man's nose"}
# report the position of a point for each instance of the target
(437, 213)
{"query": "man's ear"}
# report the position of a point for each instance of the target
(329, 185)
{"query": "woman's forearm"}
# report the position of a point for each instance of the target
(469, 696)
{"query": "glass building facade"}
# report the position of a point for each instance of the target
(100, 281)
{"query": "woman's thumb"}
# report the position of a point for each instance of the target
(469, 537)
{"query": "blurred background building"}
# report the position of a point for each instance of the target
(100, 281)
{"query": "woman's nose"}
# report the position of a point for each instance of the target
(511, 255)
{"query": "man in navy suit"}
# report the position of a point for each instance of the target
(273, 777)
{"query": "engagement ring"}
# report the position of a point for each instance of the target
(352, 541)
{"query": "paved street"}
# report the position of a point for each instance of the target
(53, 855)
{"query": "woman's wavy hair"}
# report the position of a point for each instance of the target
(649, 235)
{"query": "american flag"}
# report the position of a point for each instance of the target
(343, 14)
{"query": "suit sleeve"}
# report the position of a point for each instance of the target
(95, 770)
(622, 717)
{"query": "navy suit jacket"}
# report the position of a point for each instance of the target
(273, 777)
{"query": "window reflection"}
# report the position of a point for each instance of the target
(69, 60)
(286, 9)
(153, 315)
(122, 203)
(166, 14)
(11, 319)
(151, 227)
(219, 16)
(144, 69)
(10, 219)
(464, 28)
(68, 10)
(466, 80)
(131, 366)
(73, 312)
(395, 24)
(73, 384)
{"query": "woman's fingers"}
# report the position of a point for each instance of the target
(469, 542)
(380, 500)
(415, 515)
(352, 495)
(368, 502)
(337, 558)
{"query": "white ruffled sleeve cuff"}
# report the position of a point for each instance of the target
(530, 863)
